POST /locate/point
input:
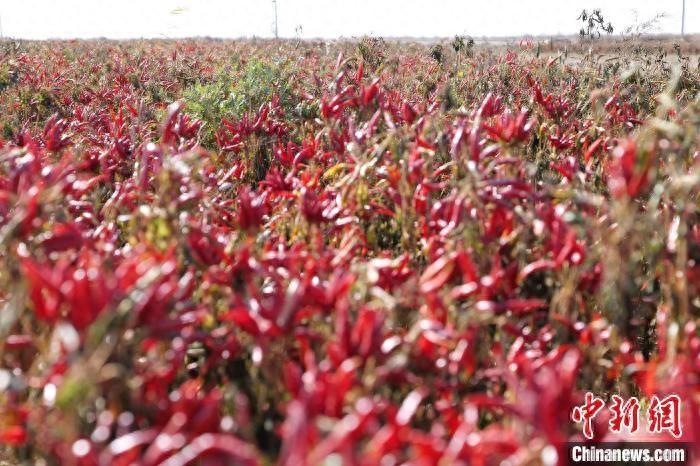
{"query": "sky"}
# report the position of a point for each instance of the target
(44, 19)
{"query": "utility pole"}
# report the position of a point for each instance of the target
(683, 20)
(274, 3)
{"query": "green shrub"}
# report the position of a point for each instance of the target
(232, 94)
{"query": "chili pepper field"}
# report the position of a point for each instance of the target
(357, 252)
